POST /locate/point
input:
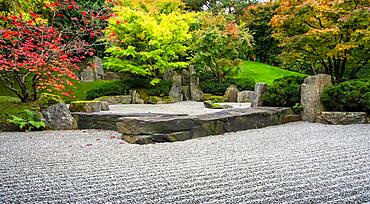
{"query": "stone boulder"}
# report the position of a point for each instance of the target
(160, 100)
(98, 65)
(87, 74)
(88, 106)
(211, 105)
(121, 99)
(231, 94)
(195, 93)
(136, 98)
(55, 113)
(185, 90)
(94, 72)
(104, 106)
(342, 118)
(176, 92)
(259, 90)
(245, 96)
(311, 91)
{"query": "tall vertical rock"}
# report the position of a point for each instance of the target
(259, 90)
(195, 93)
(176, 92)
(311, 91)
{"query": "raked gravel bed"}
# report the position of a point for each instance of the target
(294, 163)
(185, 107)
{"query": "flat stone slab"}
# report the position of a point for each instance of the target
(153, 127)
(145, 130)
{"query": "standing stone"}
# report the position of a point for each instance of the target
(245, 96)
(104, 105)
(231, 94)
(175, 91)
(136, 98)
(55, 113)
(259, 90)
(311, 91)
(99, 71)
(87, 75)
(185, 77)
(195, 93)
(186, 93)
(58, 117)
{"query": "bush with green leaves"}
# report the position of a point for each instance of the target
(122, 87)
(219, 46)
(284, 92)
(348, 96)
(30, 123)
(148, 38)
(210, 85)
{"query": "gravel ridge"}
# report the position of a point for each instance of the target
(292, 163)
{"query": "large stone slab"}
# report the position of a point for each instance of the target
(342, 118)
(144, 130)
(311, 91)
(108, 120)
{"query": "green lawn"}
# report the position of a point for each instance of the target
(263, 73)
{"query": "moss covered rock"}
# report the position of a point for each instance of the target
(86, 106)
(47, 100)
(160, 100)
(214, 98)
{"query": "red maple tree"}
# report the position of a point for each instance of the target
(32, 59)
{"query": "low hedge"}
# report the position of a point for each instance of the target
(284, 92)
(122, 87)
(215, 87)
(352, 96)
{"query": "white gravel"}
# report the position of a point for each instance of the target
(292, 163)
(185, 107)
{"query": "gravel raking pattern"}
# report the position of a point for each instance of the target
(292, 163)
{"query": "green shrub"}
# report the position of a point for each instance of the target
(108, 89)
(214, 87)
(348, 96)
(285, 92)
(244, 84)
(31, 122)
(160, 89)
(122, 87)
(219, 87)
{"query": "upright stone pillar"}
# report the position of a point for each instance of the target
(259, 90)
(195, 93)
(311, 91)
(176, 92)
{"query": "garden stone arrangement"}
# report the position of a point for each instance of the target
(145, 124)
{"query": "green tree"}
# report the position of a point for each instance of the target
(257, 19)
(233, 7)
(333, 34)
(148, 38)
(219, 46)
